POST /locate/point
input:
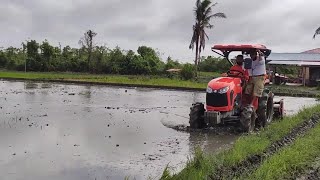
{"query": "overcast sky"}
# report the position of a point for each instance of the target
(282, 25)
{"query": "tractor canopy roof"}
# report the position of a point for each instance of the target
(226, 49)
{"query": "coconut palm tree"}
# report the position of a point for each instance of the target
(316, 33)
(203, 14)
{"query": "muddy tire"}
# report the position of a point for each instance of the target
(247, 119)
(196, 115)
(265, 113)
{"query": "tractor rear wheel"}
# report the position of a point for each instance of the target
(265, 112)
(197, 116)
(247, 119)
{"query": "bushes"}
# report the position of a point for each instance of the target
(43, 57)
(212, 64)
(188, 71)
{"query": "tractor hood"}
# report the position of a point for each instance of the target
(222, 82)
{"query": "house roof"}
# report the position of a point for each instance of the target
(295, 63)
(313, 51)
(294, 57)
(298, 59)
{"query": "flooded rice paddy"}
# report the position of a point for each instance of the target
(72, 132)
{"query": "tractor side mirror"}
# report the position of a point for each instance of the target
(247, 63)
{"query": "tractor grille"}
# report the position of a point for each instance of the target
(217, 100)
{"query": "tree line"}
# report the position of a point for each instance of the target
(44, 57)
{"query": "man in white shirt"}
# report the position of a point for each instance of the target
(257, 74)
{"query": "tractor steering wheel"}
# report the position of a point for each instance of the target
(235, 75)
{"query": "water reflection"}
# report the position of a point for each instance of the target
(30, 85)
(79, 126)
(46, 85)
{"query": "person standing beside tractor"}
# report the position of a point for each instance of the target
(257, 74)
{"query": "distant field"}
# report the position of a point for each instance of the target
(295, 90)
(118, 79)
(150, 81)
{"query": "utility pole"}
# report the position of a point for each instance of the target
(25, 55)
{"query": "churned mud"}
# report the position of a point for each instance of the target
(312, 173)
(292, 106)
(74, 132)
(252, 162)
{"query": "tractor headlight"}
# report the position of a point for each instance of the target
(223, 90)
(209, 89)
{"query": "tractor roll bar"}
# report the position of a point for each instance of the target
(245, 49)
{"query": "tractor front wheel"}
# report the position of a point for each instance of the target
(197, 116)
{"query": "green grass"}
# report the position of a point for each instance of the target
(244, 147)
(295, 90)
(253, 144)
(205, 77)
(209, 74)
(196, 168)
(293, 159)
(159, 81)
(120, 79)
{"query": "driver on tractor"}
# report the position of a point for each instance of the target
(239, 67)
(238, 70)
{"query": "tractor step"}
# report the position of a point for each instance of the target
(231, 118)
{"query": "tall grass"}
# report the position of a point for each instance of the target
(294, 89)
(201, 166)
(196, 167)
(291, 160)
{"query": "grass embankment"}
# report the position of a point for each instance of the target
(295, 90)
(149, 81)
(203, 165)
(156, 81)
(290, 161)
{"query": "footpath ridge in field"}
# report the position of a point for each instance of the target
(251, 163)
(292, 161)
(276, 136)
(146, 85)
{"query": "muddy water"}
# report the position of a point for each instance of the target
(58, 131)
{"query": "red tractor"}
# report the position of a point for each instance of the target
(226, 100)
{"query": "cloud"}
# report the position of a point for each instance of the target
(284, 26)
